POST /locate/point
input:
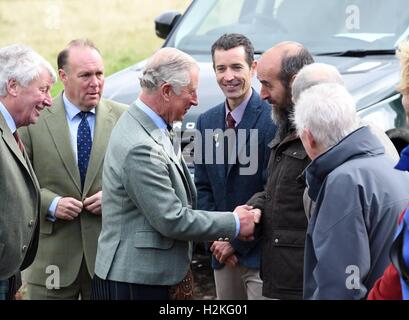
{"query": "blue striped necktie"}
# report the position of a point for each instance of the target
(84, 145)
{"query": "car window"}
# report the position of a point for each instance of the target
(320, 25)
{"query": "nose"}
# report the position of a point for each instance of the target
(228, 75)
(93, 81)
(195, 100)
(264, 94)
(47, 99)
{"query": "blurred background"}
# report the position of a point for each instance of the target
(122, 29)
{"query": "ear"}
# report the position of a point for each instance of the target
(253, 68)
(166, 91)
(63, 75)
(310, 139)
(308, 142)
(12, 87)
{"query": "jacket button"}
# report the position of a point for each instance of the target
(278, 159)
(31, 223)
(24, 248)
(276, 240)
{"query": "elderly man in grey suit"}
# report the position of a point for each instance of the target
(25, 83)
(67, 147)
(149, 221)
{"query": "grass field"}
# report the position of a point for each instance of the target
(122, 29)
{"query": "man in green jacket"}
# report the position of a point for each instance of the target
(67, 148)
(25, 83)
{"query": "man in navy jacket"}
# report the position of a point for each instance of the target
(231, 162)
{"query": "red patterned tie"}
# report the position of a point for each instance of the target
(19, 142)
(230, 121)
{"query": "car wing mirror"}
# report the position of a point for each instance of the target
(165, 22)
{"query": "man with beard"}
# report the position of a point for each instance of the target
(283, 221)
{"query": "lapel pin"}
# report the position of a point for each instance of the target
(216, 139)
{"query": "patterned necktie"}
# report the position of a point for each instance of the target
(19, 142)
(84, 145)
(230, 121)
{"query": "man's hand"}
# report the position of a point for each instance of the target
(68, 208)
(221, 250)
(232, 261)
(93, 203)
(246, 222)
(257, 215)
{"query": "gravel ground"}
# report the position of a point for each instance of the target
(203, 277)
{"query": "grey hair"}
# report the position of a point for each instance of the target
(313, 74)
(22, 64)
(328, 111)
(168, 65)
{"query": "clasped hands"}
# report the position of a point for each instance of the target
(248, 217)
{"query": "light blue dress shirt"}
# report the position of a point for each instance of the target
(8, 118)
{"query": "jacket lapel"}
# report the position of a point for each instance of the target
(157, 136)
(57, 124)
(219, 123)
(8, 138)
(103, 127)
(155, 133)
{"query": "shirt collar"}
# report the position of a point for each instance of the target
(8, 118)
(71, 109)
(238, 112)
(160, 123)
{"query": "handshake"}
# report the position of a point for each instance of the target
(248, 217)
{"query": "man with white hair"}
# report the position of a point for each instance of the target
(357, 192)
(149, 198)
(26, 79)
(319, 73)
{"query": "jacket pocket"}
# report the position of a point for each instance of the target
(46, 227)
(299, 154)
(287, 259)
(289, 238)
(151, 239)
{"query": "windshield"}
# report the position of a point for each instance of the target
(320, 25)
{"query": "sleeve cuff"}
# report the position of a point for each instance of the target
(51, 210)
(236, 217)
